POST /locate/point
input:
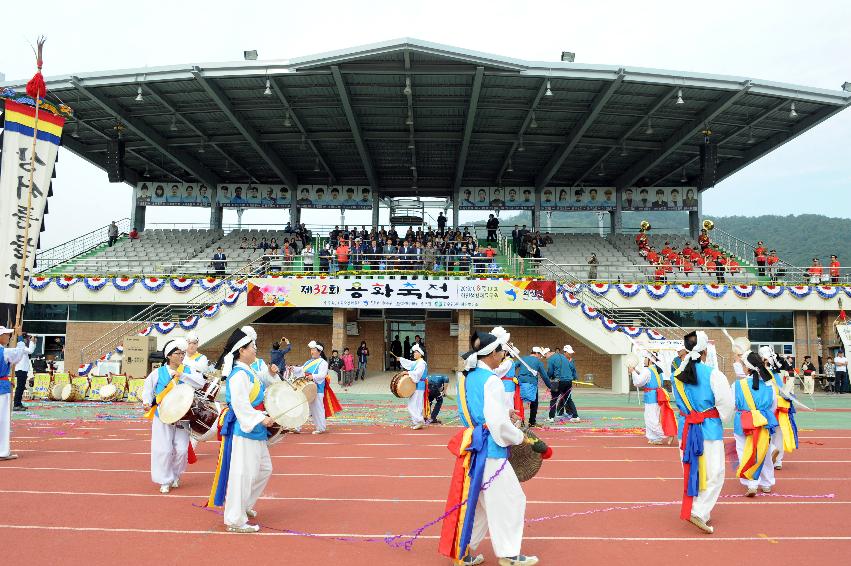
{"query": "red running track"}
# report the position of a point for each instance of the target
(81, 494)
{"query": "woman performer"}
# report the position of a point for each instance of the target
(785, 436)
(316, 368)
(753, 424)
(194, 359)
(482, 456)
(418, 406)
(703, 396)
(512, 386)
(8, 356)
(659, 420)
(244, 465)
(170, 450)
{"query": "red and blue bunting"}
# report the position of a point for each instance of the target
(146, 331)
(656, 292)
(211, 311)
(210, 283)
(686, 290)
(598, 288)
(190, 322)
(773, 290)
(238, 285)
(94, 283)
(628, 289)
(827, 291)
(84, 369)
(632, 331)
(608, 324)
(231, 298)
(568, 297)
(654, 335)
(39, 283)
(744, 291)
(65, 281)
(153, 283)
(714, 290)
(800, 291)
(847, 290)
(590, 312)
(182, 283)
(124, 283)
(165, 327)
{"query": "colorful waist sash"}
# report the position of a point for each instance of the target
(666, 414)
(694, 463)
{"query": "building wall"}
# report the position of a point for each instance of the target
(80, 334)
(806, 327)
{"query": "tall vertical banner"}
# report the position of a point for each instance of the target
(18, 162)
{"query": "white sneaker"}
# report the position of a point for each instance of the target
(520, 560)
(318, 432)
(165, 488)
(417, 426)
(551, 420)
(246, 528)
(175, 483)
(576, 420)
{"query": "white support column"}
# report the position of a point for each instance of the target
(620, 379)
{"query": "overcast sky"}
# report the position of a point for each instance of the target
(794, 42)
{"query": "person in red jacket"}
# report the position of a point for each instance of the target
(703, 240)
(666, 250)
(652, 256)
(815, 272)
(771, 265)
(760, 260)
(834, 269)
(733, 265)
(660, 273)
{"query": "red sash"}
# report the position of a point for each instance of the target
(666, 414)
(518, 401)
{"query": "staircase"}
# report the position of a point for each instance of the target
(76, 249)
(744, 252)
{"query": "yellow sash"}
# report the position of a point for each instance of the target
(701, 461)
(159, 399)
(756, 443)
(757, 416)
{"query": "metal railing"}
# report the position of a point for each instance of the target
(164, 312)
(745, 251)
(50, 258)
(620, 273)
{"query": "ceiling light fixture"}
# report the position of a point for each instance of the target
(227, 165)
(533, 123)
(792, 112)
(683, 178)
(316, 165)
(268, 91)
(623, 150)
(649, 129)
(409, 121)
(201, 148)
(407, 90)
(520, 146)
(139, 94)
(303, 141)
(680, 97)
(146, 173)
(75, 131)
(751, 139)
(509, 168)
(602, 171)
(287, 121)
(549, 91)
(411, 143)
(173, 126)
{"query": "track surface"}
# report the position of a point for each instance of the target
(81, 494)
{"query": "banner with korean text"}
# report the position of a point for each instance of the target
(489, 294)
(18, 162)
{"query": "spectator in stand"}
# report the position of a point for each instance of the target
(373, 255)
(492, 225)
(363, 358)
(830, 375)
(428, 257)
(307, 257)
(703, 239)
(254, 244)
(342, 253)
(771, 262)
(243, 245)
(287, 254)
(815, 272)
(134, 234)
(389, 258)
(219, 262)
(660, 273)
(592, 267)
(808, 370)
(112, 233)
(441, 223)
(348, 367)
(834, 269)
(357, 254)
(842, 384)
(733, 265)
(325, 258)
(720, 268)
(273, 245)
(760, 257)
(652, 256)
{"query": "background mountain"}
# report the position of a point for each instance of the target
(797, 239)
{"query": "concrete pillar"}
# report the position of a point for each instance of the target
(465, 324)
(216, 217)
(375, 204)
(295, 218)
(536, 211)
(620, 379)
(694, 217)
(338, 331)
(456, 199)
(616, 215)
(137, 216)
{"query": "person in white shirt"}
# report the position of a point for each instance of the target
(316, 368)
(842, 383)
(8, 356)
(169, 442)
(418, 370)
(22, 371)
(194, 359)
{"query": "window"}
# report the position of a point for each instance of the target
(761, 335)
(770, 319)
(710, 319)
(509, 318)
(43, 311)
(103, 312)
(283, 315)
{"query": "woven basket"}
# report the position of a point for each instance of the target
(525, 461)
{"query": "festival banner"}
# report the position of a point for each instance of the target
(18, 162)
(578, 199)
(497, 198)
(488, 294)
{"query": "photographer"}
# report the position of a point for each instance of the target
(436, 391)
(277, 356)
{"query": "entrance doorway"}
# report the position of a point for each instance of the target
(404, 330)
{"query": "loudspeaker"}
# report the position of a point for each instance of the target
(708, 158)
(115, 161)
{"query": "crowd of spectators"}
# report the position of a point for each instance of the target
(705, 258)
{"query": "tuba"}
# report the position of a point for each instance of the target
(645, 226)
(708, 225)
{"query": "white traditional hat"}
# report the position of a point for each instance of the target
(176, 344)
(568, 348)
(314, 344)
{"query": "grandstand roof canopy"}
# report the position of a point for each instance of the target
(468, 119)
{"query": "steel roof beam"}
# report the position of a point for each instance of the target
(729, 167)
(80, 150)
(247, 130)
(355, 127)
(186, 161)
(732, 136)
(526, 121)
(681, 136)
(279, 92)
(468, 128)
(556, 161)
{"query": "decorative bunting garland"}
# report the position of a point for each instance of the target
(190, 322)
(39, 283)
(210, 283)
(773, 291)
(231, 298)
(632, 331)
(146, 331)
(182, 283)
(847, 290)
(714, 290)
(153, 283)
(94, 283)
(744, 291)
(165, 327)
(608, 324)
(827, 291)
(656, 292)
(628, 289)
(84, 369)
(211, 311)
(590, 312)
(654, 335)
(598, 289)
(800, 291)
(65, 281)
(686, 290)
(238, 286)
(124, 283)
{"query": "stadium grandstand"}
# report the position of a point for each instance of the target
(434, 138)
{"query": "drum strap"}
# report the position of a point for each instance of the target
(159, 398)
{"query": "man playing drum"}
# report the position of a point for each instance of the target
(244, 465)
(418, 405)
(169, 442)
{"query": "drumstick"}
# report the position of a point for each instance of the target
(275, 418)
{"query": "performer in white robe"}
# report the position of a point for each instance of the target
(652, 425)
(418, 370)
(244, 466)
(316, 368)
(8, 356)
(169, 442)
(194, 359)
(500, 509)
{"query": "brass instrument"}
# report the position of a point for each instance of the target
(645, 226)
(708, 225)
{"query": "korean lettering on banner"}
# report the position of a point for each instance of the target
(18, 164)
